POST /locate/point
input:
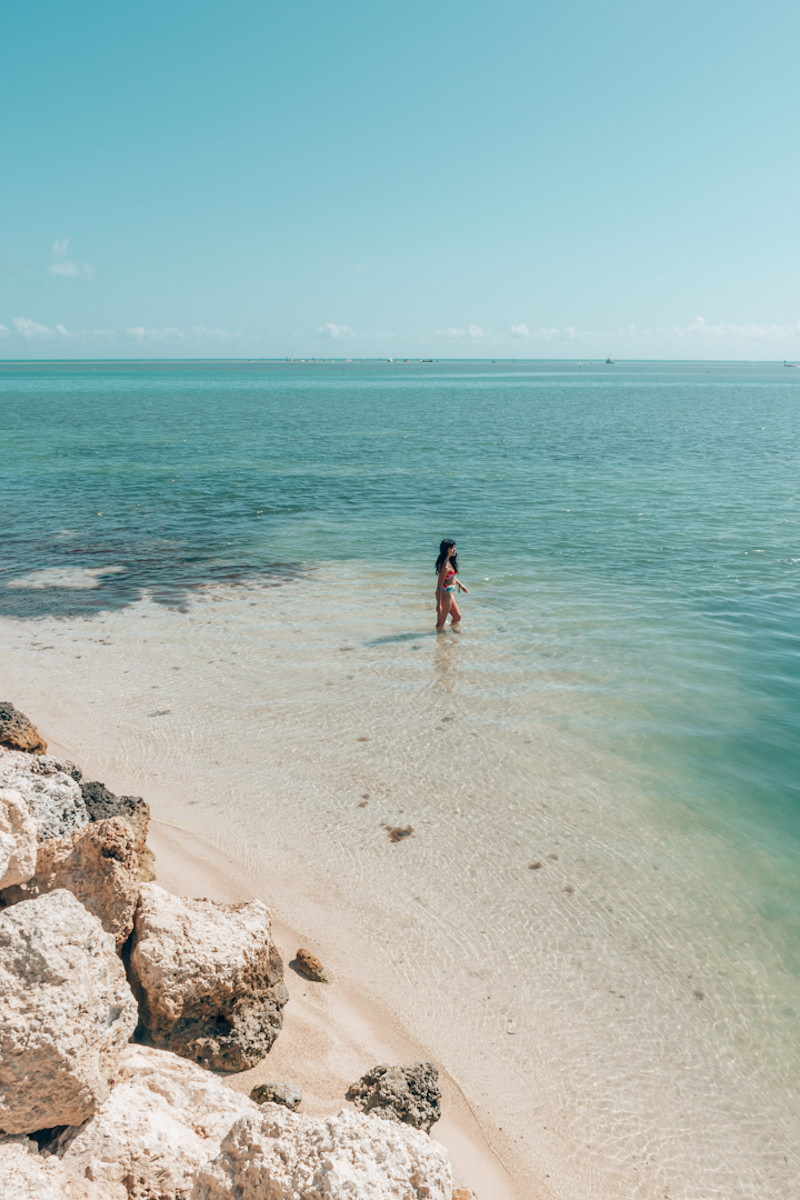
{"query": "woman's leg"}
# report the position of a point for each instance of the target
(445, 601)
(455, 611)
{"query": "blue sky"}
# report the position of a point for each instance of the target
(355, 179)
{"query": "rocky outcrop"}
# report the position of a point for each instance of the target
(25, 1174)
(409, 1094)
(17, 732)
(208, 977)
(164, 1119)
(67, 1012)
(171, 1131)
(273, 1092)
(17, 839)
(98, 864)
(283, 1156)
(51, 794)
(101, 804)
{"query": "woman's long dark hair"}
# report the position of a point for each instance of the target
(444, 553)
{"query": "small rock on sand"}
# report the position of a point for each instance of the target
(306, 964)
(272, 1092)
(397, 1093)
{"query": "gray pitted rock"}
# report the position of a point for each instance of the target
(67, 1013)
(49, 790)
(208, 977)
(18, 841)
(99, 865)
(277, 1093)
(17, 732)
(102, 804)
(409, 1094)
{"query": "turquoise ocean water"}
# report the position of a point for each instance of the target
(614, 509)
(631, 537)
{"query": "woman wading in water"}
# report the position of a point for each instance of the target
(446, 584)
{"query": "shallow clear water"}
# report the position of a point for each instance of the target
(625, 691)
(605, 515)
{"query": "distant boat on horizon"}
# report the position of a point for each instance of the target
(788, 364)
(610, 360)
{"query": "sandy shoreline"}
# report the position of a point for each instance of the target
(615, 1028)
(332, 1033)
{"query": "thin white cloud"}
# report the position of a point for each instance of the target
(67, 267)
(32, 331)
(456, 331)
(701, 331)
(519, 331)
(170, 333)
(215, 335)
(336, 332)
(167, 333)
(4, 330)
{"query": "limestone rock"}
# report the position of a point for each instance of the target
(147, 865)
(409, 1094)
(25, 1174)
(67, 1012)
(164, 1119)
(17, 732)
(102, 804)
(99, 865)
(278, 1155)
(272, 1092)
(17, 839)
(51, 794)
(171, 1131)
(208, 977)
(306, 964)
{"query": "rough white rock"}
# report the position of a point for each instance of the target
(67, 1011)
(52, 795)
(209, 978)
(17, 839)
(279, 1155)
(25, 1174)
(172, 1131)
(99, 865)
(164, 1119)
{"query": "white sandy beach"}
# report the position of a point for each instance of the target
(587, 1013)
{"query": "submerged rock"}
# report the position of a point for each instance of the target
(67, 1012)
(99, 865)
(17, 732)
(409, 1094)
(17, 839)
(209, 978)
(51, 794)
(277, 1093)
